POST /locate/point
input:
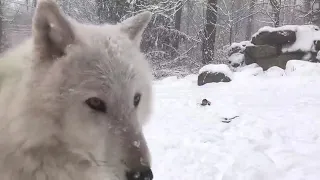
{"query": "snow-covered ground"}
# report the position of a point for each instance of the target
(276, 136)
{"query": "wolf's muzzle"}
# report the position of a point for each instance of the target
(142, 175)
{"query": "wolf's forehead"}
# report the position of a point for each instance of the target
(106, 56)
(102, 66)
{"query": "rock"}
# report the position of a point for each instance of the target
(238, 47)
(274, 38)
(267, 56)
(279, 61)
(210, 77)
(236, 60)
(316, 45)
(262, 51)
(205, 102)
(250, 70)
(275, 72)
(302, 68)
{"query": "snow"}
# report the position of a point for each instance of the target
(284, 28)
(242, 45)
(275, 72)
(302, 68)
(306, 35)
(249, 70)
(237, 58)
(223, 68)
(275, 137)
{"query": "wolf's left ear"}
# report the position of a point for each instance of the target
(52, 32)
(135, 26)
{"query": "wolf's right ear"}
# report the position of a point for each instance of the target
(135, 26)
(51, 30)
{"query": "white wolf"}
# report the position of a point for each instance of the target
(74, 99)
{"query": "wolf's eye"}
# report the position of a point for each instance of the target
(96, 104)
(136, 99)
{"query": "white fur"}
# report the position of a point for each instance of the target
(47, 130)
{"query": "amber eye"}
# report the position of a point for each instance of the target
(96, 104)
(136, 99)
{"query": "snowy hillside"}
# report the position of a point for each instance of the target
(275, 133)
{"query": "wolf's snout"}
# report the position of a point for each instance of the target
(142, 175)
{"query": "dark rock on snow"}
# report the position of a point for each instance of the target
(205, 102)
(317, 45)
(209, 77)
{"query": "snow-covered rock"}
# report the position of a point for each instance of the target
(239, 47)
(217, 68)
(236, 54)
(296, 37)
(275, 46)
(275, 72)
(249, 70)
(274, 38)
(318, 56)
(236, 60)
(302, 68)
(214, 73)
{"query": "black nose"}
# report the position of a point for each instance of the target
(142, 175)
(235, 65)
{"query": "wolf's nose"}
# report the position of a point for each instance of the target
(235, 65)
(142, 175)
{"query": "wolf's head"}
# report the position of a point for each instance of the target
(90, 91)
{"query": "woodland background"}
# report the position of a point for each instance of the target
(183, 35)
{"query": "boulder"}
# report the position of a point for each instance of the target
(238, 47)
(302, 68)
(316, 45)
(212, 77)
(262, 51)
(274, 72)
(277, 60)
(274, 38)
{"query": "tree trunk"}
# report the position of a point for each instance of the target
(100, 10)
(34, 3)
(210, 32)
(276, 9)
(250, 19)
(308, 11)
(177, 24)
(27, 4)
(1, 29)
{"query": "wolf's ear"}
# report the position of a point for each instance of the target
(135, 26)
(51, 30)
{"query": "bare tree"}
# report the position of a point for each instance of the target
(250, 19)
(276, 10)
(1, 27)
(183, 34)
(177, 23)
(34, 3)
(210, 32)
